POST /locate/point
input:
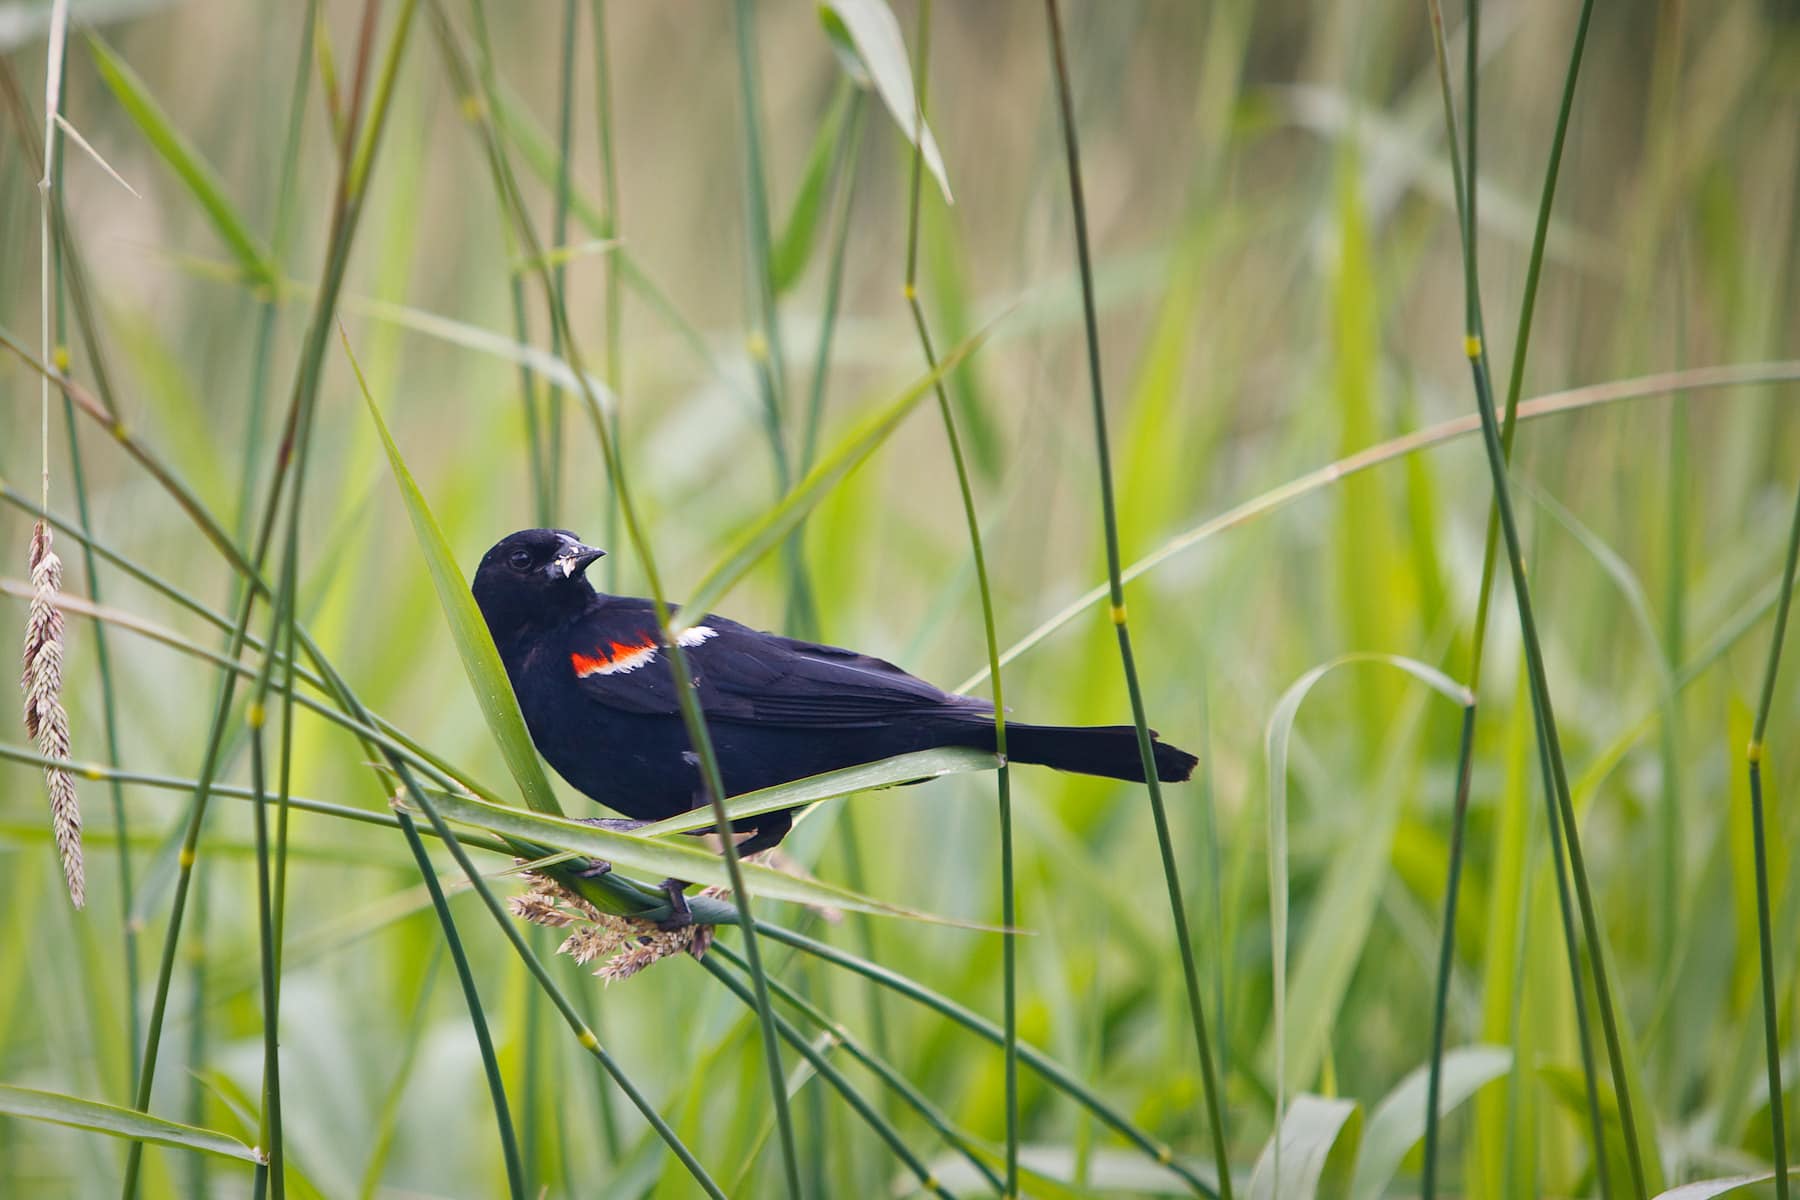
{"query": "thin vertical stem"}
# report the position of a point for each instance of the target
(1484, 594)
(1446, 953)
(1116, 592)
(559, 235)
(1009, 917)
(1765, 935)
(614, 345)
(765, 344)
(1550, 746)
(490, 1064)
(692, 716)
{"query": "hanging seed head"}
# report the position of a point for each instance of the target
(627, 944)
(45, 721)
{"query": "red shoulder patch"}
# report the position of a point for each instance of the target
(615, 658)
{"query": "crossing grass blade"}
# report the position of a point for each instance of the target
(202, 181)
(480, 660)
(887, 772)
(769, 530)
(662, 859)
(114, 1121)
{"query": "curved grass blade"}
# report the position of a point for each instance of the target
(793, 249)
(1706, 1189)
(119, 1122)
(1399, 1120)
(1697, 379)
(1275, 745)
(201, 180)
(887, 772)
(868, 30)
(773, 527)
(1305, 1139)
(467, 628)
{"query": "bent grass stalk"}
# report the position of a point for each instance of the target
(1116, 592)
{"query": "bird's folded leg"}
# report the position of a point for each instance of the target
(599, 866)
(679, 916)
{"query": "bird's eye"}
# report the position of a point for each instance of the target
(519, 560)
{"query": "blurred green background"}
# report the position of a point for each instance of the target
(1279, 285)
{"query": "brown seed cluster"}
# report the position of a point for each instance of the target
(45, 721)
(628, 945)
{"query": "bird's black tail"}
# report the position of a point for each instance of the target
(1109, 750)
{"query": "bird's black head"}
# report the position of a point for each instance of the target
(533, 579)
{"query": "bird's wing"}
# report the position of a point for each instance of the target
(750, 677)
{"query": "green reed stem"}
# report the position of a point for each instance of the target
(269, 1133)
(877, 1063)
(1446, 952)
(1057, 1075)
(875, 1121)
(584, 1035)
(1116, 589)
(109, 706)
(844, 160)
(1550, 746)
(1484, 595)
(346, 209)
(1765, 943)
(614, 345)
(490, 1064)
(559, 237)
(692, 716)
(1527, 310)
(1008, 890)
(765, 344)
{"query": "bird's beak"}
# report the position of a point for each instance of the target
(573, 561)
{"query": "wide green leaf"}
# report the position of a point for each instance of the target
(202, 181)
(773, 527)
(1706, 1189)
(887, 772)
(109, 1119)
(661, 858)
(1275, 749)
(1294, 1159)
(467, 628)
(1399, 1120)
(867, 29)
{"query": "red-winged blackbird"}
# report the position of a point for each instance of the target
(598, 694)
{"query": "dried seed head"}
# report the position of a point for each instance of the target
(627, 944)
(45, 721)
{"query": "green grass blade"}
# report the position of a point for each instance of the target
(887, 772)
(867, 29)
(1294, 1162)
(1398, 1122)
(473, 644)
(1706, 1189)
(660, 858)
(201, 180)
(772, 528)
(793, 248)
(119, 1122)
(1275, 743)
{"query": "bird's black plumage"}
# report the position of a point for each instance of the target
(596, 688)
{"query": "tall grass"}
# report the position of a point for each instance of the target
(1186, 328)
